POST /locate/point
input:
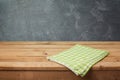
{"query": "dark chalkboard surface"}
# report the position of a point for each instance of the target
(63, 20)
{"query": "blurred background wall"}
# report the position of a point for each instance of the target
(65, 20)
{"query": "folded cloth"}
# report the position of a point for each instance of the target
(79, 59)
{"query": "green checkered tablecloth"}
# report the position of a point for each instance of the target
(79, 58)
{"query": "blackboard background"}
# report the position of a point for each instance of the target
(55, 20)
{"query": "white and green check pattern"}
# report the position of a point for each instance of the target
(79, 58)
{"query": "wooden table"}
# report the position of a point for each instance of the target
(27, 61)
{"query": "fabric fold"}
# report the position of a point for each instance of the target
(79, 59)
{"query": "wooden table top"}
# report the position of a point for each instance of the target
(32, 55)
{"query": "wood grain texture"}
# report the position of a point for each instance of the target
(27, 61)
(29, 55)
(58, 75)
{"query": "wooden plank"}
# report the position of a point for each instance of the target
(22, 59)
(103, 75)
(59, 42)
(32, 55)
(41, 52)
(38, 75)
(58, 75)
(53, 66)
(27, 61)
(31, 66)
(43, 59)
(55, 46)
